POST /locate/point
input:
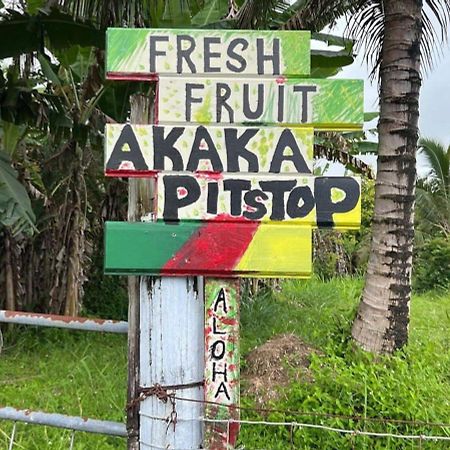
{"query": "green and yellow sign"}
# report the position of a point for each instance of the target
(231, 150)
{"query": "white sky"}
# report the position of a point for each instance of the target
(434, 108)
(434, 97)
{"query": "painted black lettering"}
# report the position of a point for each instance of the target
(221, 299)
(257, 113)
(254, 199)
(223, 93)
(238, 58)
(236, 148)
(185, 53)
(174, 199)
(218, 350)
(278, 189)
(305, 90)
(203, 148)
(215, 329)
(294, 208)
(280, 115)
(236, 187)
(263, 57)
(189, 99)
(154, 52)
(164, 147)
(133, 154)
(208, 54)
(222, 389)
(287, 140)
(213, 194)
(215, 372)
(323, 192)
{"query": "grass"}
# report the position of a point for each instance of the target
(412, 385)
(85, 373)
(75, 373)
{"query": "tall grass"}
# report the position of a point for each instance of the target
(85, 374)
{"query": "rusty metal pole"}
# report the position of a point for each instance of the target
(140, 192)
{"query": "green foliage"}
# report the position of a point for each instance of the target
(432, 265)
(33, 6)
(412, 385)
(15, 206)
(82, 373)
(338, 253)
(105, 296)
(327, 63)
(213, 11)
(23, 33)
(433, 191)
(322, 311)
(75, 373)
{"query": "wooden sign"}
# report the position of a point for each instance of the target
(221, 361)
(322, 103)
(216, 249)
(232, 153)
(136, 54)
(143, 150)
(294, 199)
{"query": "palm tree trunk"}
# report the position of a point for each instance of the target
(381, 324)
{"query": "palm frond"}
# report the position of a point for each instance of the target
(344, 157)
(438, 159)
(260, 14)
(315, 15)
(112, 12)
(365, 23)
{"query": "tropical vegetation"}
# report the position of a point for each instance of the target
(85, 374)
(54, 102)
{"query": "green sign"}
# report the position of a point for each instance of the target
(321, 103)
(141, 53)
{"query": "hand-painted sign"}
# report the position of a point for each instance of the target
(217, 249)
(232, 199)
(322, 103)
(294, 199)
(143, 150)
(141, 54)
(221, 361)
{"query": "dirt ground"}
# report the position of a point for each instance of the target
(274, 365)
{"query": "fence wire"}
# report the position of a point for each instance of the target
(419, 438)
(292, 425)
(13, 443)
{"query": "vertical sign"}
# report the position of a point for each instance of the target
(222, 362)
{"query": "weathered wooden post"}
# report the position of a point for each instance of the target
(235, 197)
(140, 204)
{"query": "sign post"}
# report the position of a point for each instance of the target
(222, 297)
(231, 151)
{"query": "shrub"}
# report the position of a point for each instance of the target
(432, 265)
(105, 296)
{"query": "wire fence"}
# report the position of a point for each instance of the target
(12, 439)
(290, 427)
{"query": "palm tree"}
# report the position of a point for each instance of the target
(395, 32)
(433, 191)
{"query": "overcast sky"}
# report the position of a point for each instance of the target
(434, 96)
(434, 109)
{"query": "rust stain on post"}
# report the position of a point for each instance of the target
(58, 321)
